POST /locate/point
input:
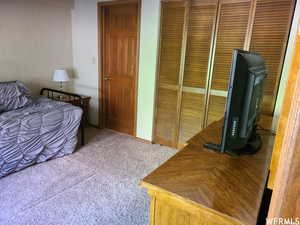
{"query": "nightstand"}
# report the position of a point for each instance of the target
(83, 102)
(86, 109)
(74, 99)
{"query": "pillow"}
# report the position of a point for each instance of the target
(13, 95)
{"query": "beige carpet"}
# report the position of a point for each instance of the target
(97, 185)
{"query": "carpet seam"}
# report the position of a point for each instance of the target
(53, 196)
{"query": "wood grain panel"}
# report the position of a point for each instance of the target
(269, 38)
(291, 89)
(166, 116)
(191, 116)
(120, 66)
(169, 210)
(231, 186)
(171, 36)
(231, 34)
(201, 25)
(202, 20)
(172, 22)
(232, 27)
(216, 108)
(286, 194)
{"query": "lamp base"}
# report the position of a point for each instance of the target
(61, 86)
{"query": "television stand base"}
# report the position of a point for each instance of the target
(253, 146)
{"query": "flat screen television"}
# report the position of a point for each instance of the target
(245, 93)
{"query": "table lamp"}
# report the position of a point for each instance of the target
(60, 76)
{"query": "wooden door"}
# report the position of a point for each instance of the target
(196, 44)
(201, 29)
(230, 34)
(171, 44)
(260, 26)
(272, 22)
(120, 33)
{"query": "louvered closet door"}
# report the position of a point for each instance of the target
(270, 32)
(202, 18)
(197, 40)
(231, 34)
(172, 24)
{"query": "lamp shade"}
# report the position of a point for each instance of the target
(60, 76)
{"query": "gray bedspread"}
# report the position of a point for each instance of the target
(43, 130)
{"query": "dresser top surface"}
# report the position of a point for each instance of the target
(231, 185)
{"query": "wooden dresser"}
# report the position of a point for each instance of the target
(199, 186)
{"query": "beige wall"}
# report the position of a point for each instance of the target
(85, 52)
(35, 39)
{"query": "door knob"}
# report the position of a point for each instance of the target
(107, 78)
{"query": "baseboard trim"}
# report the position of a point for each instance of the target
(94, 126)
(143, 140)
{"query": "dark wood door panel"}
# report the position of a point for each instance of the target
(120, 59)
(120, 98)
(120, 66)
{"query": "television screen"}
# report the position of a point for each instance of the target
(245, 93)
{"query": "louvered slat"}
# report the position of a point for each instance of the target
(201, 25)
(165, 117)
(269, 37)
(231, 35)
(200, 32)
(216, 108)
(232, 28)
(172, 22)
(191, 116)
(171, 41)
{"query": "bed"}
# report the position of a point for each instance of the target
(34, 130)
